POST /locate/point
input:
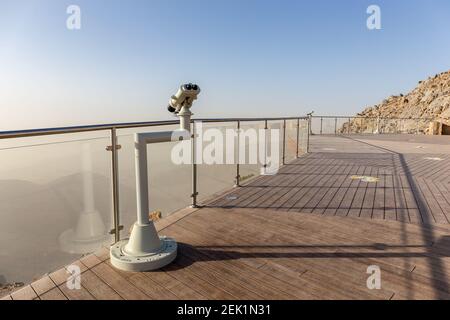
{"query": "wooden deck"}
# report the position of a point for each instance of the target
(413, 186)
(309, 232)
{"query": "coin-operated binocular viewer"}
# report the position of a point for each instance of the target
(145, 250)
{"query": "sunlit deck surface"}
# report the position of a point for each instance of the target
(309, 232)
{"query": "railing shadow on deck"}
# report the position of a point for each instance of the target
(234, 252)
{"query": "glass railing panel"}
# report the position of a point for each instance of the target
(291, 140)
(315, 125)
(342, 125)
(214, 175)
(423, 125)
(367, 125)
(329, 126)
(303, 137)
(55, 202)
(275, 144)
(247, 170)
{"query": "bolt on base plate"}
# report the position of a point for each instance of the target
(121, 260)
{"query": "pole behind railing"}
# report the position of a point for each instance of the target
(284, 141)
(194, 166)
(309, 133)
(266, 130)
(298, 138)
(378, 125)
(238, 176)
(115, 185)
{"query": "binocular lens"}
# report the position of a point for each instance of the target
(195, 87)
(188, 86)
(170, 108)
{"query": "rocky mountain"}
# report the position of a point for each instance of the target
(429, 101)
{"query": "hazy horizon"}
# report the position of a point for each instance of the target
(252, 58)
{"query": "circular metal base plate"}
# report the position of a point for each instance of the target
(153, 261)
(70, 244)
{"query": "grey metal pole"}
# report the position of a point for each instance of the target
(348, 129)
(309, 133)
(335, 126)
(298, 138)
(194, 167)
(238, 176)
(321, 125)
(266, 144)
(115, 185)
(284, 141)
(417, 126)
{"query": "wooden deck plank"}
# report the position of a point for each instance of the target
(265, 283)
(151, 288)
(53, 294)
(120, 285)
(25, 293)
(317, 287)
(97, 288)
(160, 280)
(43, 285)
(180, 289)
(76, 293)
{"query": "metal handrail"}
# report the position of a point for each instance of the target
(350, 121)
(126, 125)
(363, 117)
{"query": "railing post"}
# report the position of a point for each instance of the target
(284, 141)
(335, 126)
(238, 175)
(378, 125)
(348, 129)
(115, 185)
(298, 137)
(194, 167)
(321, 125)
(309, 133)
(265, 147)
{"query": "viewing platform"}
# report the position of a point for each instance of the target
(312, 231)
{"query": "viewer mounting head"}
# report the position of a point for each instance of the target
(184, 97)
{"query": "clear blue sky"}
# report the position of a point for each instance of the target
(251, 58)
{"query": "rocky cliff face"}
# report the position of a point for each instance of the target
(429, 101)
